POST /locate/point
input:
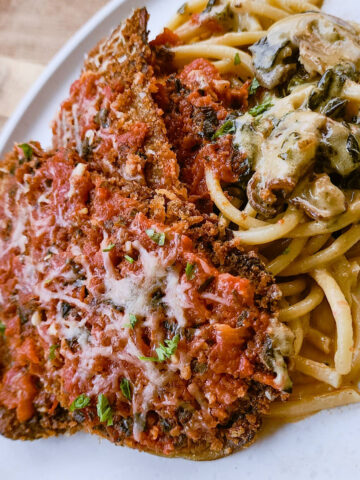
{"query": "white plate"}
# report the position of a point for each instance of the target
(325, 446)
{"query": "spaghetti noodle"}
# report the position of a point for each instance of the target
(306, 245)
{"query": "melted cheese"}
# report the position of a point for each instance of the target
(19, 220)
(285, 153)
(18, 237)
(282, 342)
(77, 173)
(175, 297)
(134, 292)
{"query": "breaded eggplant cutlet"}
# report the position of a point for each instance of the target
(123, 312)
(111, 112)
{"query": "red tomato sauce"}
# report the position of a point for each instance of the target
(196, 103)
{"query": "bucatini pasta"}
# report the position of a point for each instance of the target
(316, 245)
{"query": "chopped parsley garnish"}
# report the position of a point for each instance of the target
(27, 150)
(286, 251)
(254, 86)
(52, 350)
(125, 387)
(190, 270)
(129, 259)
(164, 351)
(237, 59)
(261, 108)
(2, 328)
(157, 237)
(182, 9)
(81, 401)
(227, 127)
(109, 247)
(104, 410)
(133, 321)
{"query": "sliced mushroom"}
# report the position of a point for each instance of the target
(340, 148)
(268, 198)
(317, 40)
(285, 157)
(282, 151)
(269, 60)
(201, 25)
(320, 198)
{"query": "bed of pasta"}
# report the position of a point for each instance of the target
(306, 230)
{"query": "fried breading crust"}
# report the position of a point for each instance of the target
(116, 87)
(128, 175)
(51, 415)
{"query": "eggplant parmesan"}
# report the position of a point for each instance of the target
(125, 310)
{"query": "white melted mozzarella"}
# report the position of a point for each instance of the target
(77, 173)
(134, 292)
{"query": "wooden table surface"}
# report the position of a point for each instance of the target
(31, 32)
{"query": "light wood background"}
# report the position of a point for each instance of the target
(31, 32)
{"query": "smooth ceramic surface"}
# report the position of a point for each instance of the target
(325, 446)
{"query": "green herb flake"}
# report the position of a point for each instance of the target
(190, 270)
(227, 127)
(125, 387)
(225, 17)
(157, 237)
(104, 410)
(81, 401)
(27, 150)
(133, 321)
(164, 351)
(149, 359)
(237, 59)
(286, 251)
(52, 350)
(2, 328)
(129, 259)
(109, 247)
(261, 108)
(254, 86)
(182, 10)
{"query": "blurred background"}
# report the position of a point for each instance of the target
(31, 32)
